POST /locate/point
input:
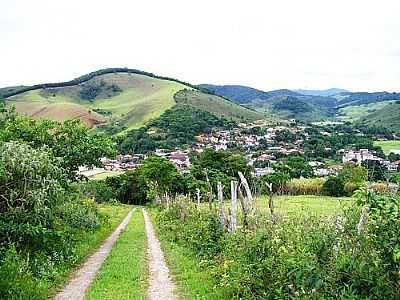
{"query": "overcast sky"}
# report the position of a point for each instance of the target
(267, 44)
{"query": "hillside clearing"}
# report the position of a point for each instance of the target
(142, 99)
(387, 146)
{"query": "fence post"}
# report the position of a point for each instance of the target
(233, 221)
(210, 197)
(221, 204)
(198, 196)
(270, 201)
(249, 197)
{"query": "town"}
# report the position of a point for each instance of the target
(263, 144)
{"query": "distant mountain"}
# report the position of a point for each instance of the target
(283, 103)
(361, 98)
(324, 93)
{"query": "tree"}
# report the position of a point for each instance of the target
(220, 166)
(160, 175)
(376, 171)
(353, 173)
(334, 186)
(295, 166)
(73, 143)
(278, 180)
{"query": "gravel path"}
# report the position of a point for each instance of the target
(83, 277)
(161, 286)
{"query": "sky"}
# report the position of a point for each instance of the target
(266, 44)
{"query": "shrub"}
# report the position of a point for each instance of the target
(351, 187)
(334, 186)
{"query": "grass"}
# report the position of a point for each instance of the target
(88, 242)
(217, 106)
(143, 99)
(388, 145)
(304, 205)
(192, 279)
(124, 273)
(353, 113)
(195, 281)
(104, 175)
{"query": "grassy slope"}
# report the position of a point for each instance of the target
(388, 145)
(123, 275)
(352, 113)
(142, 99)
(217, 106)
(388, 116)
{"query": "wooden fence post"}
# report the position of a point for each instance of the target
(270, 201)
(363, 219)
(221, 204)
(198, 196)
(233, 221)
(249, 198)
(210, 197)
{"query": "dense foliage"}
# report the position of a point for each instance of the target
(70, 141)
(39, 220)
(42, 216)
(177, 127)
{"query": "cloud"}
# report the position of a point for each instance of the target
(265, 44)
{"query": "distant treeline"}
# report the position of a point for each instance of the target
(19, 90)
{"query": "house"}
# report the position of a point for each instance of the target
(359, 156)
(262, 171)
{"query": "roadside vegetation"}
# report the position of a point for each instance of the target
(47, 226)
(299, 257)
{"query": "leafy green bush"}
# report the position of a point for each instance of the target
(334, 186)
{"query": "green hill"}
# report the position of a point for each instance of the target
(117, 100)
(388, 117)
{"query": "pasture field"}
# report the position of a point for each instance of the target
(388, 145)
(124, 273)
(142, 99)
(304, 205)
(105, 174)
(217, 106)
(353, 113)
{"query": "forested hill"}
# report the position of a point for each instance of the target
(282, 103)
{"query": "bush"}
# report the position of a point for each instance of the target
(334, 186)
(351, 187)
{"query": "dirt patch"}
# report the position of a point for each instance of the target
(161, 286)
(83, 277)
